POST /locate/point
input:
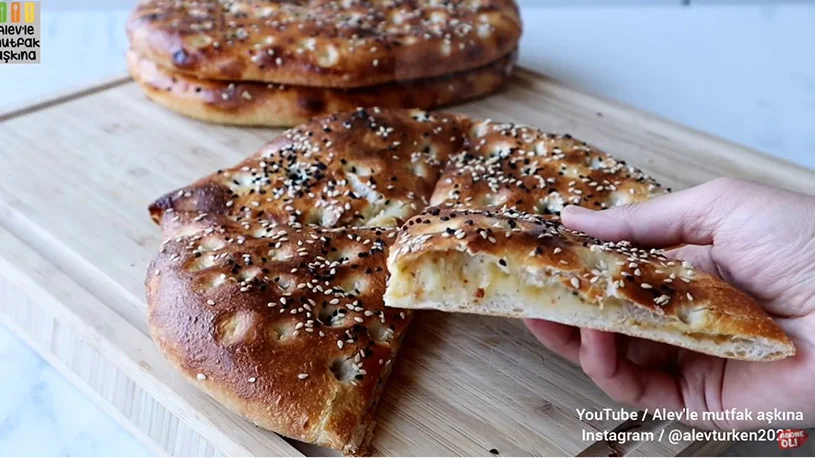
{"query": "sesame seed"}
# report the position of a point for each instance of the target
(201, 377)
(302, 376)
(646, 286)
(575, 282)
(253, 379)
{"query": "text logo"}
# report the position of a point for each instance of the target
(19, 32)
(791, 438)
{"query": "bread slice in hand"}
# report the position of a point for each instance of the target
(513, 264)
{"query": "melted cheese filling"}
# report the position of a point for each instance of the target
(457, 281)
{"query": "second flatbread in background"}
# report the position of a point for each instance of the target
(328, 43)
(265, 63)
(263, 104)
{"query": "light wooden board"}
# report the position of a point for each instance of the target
(79, 171)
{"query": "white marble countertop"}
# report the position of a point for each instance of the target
(745, 73)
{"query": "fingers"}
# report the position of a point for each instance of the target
(560, 338)
(634, 375)
(643, 352)
(621, 379)
(689, 216)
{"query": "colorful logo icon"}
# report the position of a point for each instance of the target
(19, 32)
(30, 12)
(17, 12)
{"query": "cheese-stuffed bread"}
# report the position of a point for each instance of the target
(514, 264)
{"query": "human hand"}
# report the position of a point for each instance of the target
(761, 240)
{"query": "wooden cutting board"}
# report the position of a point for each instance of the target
(78, 172)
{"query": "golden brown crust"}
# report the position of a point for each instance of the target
(283, 325)
(208, 292)
(262, 104)
(602, 274)
(526, 169)
(238, 241)
(327, 43)
(365, 167)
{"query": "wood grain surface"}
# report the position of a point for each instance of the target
(79, 171)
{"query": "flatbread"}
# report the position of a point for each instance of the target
(368, 167)
(298, 226)
(283, 325)
(325, 43)
(263, 104)
(528, 170)
(514, 264)
(282, 228)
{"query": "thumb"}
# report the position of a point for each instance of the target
(685, 217)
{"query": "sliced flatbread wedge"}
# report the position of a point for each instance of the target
(285, 326)
(367, 167)
(268, 294)
(520, 265)
(529, 170)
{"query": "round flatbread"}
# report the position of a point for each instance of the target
(343, 43)
(264, 104)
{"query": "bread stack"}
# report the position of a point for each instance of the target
(279, 63)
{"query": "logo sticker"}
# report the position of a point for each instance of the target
(19, 32)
